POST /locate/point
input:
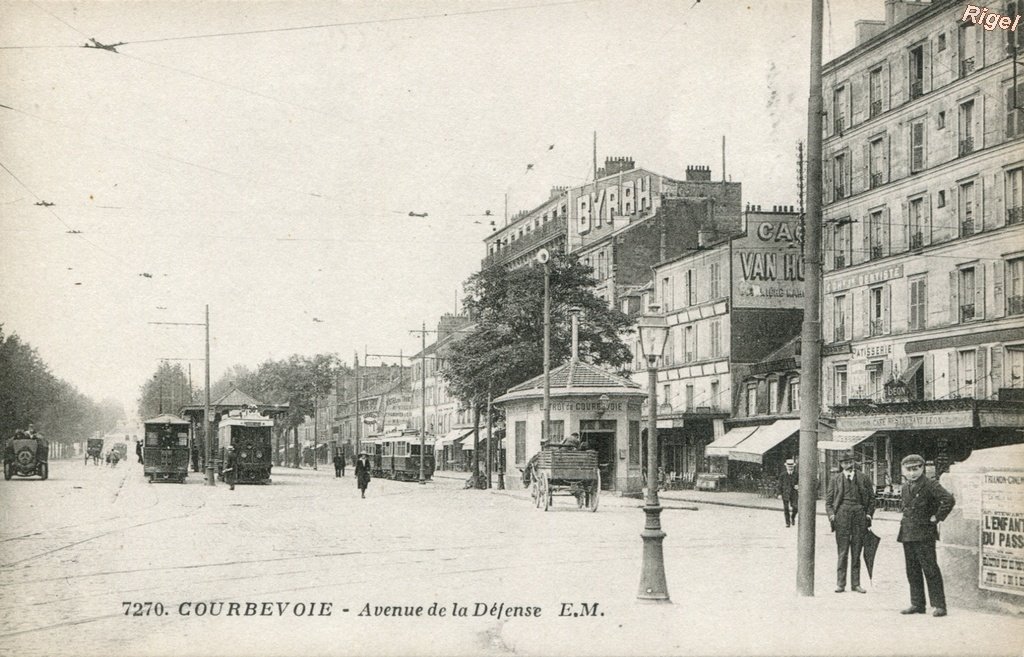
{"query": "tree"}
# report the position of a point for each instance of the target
(507, 346)
(165, 392)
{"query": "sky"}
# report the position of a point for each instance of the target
(262, 158)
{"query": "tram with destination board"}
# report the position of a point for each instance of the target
(165, 450)
(249, 435)
(396, 455)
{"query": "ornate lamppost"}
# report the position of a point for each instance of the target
(653, 328)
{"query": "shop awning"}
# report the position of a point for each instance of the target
(767, 436)
(721, 446)
(911, 371)
(453, 435)
(845, 439)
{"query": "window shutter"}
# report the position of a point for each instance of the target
(902, 241)
(951, 376)
(886, 308)
(1011, 119)
(929, 376)
(998, 288)
(887, 227)
(848, 332)
(866, 229)
(998, 218)
(828, 319)
(979, 291)
(980, 375)
(826, 172)
(979, 204)
(885, 87)
(926, 219)
(996, 375)
(866, 169)
(828, 246)
(864, 299)
(886, 158)
(954, 294)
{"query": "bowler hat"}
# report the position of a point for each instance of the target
(912, 459)
(790, 462)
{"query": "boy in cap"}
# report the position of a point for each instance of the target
(850, 503)
(925, 503)
(788, 484)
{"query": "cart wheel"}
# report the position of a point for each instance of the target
(535, 492)
(582, 498)
(596, 493)
(7, 472)
(547, 493)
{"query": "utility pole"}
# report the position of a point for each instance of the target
(490, 431)
(359, 422)
(423, 396)
(810, 339)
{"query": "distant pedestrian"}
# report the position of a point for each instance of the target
(924, 503)
(108, 458)
(230, 467)
(788, 484)
(138, 450)
(850, 504)
(363, 473)
(339, 464)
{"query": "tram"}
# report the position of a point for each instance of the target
(250, 434)
(165, 452)
(396, 455)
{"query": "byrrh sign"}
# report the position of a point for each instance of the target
(897, 421)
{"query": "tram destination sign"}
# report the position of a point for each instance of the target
(896, 421)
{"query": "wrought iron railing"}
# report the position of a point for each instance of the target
(1015, 305)
(966, 227)
(840, 260)
(876, 251)
(840, 124)
(966, 312)
(916, 88)
(876, 108)
(966, 146)
(916, 240)
(966, 66)
(1015, 215)
(876, 180)
(839, 335)
(877, 327)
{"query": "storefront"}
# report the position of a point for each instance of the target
(747, 456)
(604, 409)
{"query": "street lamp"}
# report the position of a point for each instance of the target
(653, 328)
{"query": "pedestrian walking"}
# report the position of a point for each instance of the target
(924, 503)
(789, 482)
(138, 450)
(362, 473)
(339, 463)
(850, 504)
(230, 467)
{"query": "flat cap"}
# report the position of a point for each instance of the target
(912, 459)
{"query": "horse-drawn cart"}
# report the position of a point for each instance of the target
(561, 471)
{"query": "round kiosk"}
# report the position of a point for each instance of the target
(604, 409)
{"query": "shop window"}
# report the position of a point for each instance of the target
(556, 430)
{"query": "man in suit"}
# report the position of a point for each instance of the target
(363, 473)
(339, 463)
(850, 504)
(925, 503)
(788, 484)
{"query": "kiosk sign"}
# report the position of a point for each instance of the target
(1001, 566)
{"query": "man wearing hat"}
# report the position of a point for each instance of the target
(850, 503)
(363, 473)
(925, 503)
(788, 484)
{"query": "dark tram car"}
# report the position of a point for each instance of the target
(165, 451)
(400, 457)
(250, 434)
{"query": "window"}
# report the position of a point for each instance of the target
(941, 121)
(689, 397)
(875, 92)
(839, 391)
(1014, 39)
(841, 175)
(716, 338)
(666, 294)
(918, 229)
(942, 42)
(877, 164)
(917, 146)
(843, 246)
(1015, 366)
(966, 291)
(966, 128)
(634, 443)
(966, 209)
(916, 71)
(715, 273)
(689, 347)
(794, 395)
(773, 396)
(714, 394)
(877, 315)
(876, 235)
(1015, 111)
(941, 198)
(521, 442)
(918, 303)
(965, 370)
(875, 382)
(666, 393)
(751, 399)
(968, 48)
(1015, 194)
(1015, 287)
(839, 318)
(690, 292)
(840, 104)
(556, 430)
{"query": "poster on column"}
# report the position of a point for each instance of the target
(1001, 565)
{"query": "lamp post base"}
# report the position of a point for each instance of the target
(653, 586)
(211, 479)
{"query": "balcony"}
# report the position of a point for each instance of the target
(1015, 305)
(840, 124)
(840, 260)
(966, 227)
(916, 89)
(839, 335)
(876, 108)
(876, 327)
(877, 251)
(966, 66)
(548, 232)
(916, 241)
(876, 180)
(966, 312)
(1015, 215)
(966, 146)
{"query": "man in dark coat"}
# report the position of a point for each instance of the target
(850, 504)
(788, 484)
(138, 450)
(925, 503)
(363, 473)
(339, 463)
(230, 466)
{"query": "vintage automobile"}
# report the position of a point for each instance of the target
(26, 456)
(165, 452)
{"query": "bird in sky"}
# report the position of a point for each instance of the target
(73, 232)
(103, 46)
(161, 307)
(146, 274)
(529, 167)
(77, 283)
(551, 147)
(318, 320)
(418, 214)
(44, 204)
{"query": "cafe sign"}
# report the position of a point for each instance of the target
(898, 421)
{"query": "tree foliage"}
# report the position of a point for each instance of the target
(30, 393)
(507, 346)
(165, 392)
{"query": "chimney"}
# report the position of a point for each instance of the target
(698, 173)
